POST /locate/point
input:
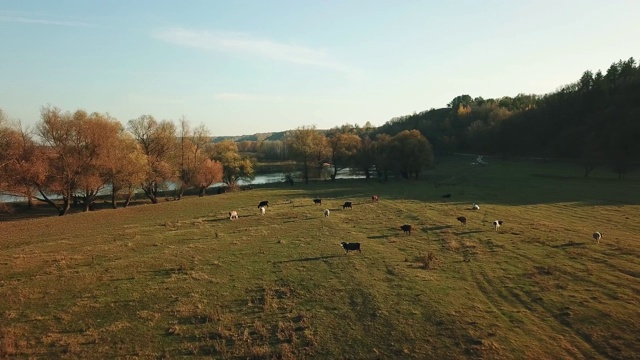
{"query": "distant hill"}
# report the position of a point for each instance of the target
(255, 137)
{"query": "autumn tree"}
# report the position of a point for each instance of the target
(365, 157)
(103, 132)
(195, 149)
(343, 147)
(126, 168)
(235, 167)
(382, 157)
(309, 147)
(73, 145)
(158, 143)
(207, 173)
(410, 153)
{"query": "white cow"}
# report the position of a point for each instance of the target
(326, 212)
(233, 215)
(262, 210)
(597, 236)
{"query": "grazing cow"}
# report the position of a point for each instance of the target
(317, 201)
(326, 212)
(406, 228)
(475, 207)
(597, 236)
(262, 210)
(233, 215)
(347, 205)
(462, 220)
(350, 247)
(374, 198)
(497, 224)
(446, 196)
(263, 203)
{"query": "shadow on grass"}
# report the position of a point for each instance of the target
(569, 244)
(317, 258)
(378, 236)
(469, 232)
(436, 228)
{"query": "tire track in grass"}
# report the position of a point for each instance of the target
(570, 275)
(559, 317)
(509, 293)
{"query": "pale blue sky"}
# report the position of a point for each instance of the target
(242, 67)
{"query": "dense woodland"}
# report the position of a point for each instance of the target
(71, 157)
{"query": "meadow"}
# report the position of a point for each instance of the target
(179, 279)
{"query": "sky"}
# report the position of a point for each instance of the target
(252, 66)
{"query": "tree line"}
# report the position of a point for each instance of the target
(594, 121)
(73, 157)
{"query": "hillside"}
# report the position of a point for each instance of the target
(255, 137)
(179, 279)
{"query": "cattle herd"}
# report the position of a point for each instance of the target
(406, 228)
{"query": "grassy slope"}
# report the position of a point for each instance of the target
(179, 278)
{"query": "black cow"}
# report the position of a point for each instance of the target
(406, 228)
(350, 247)
(317, 201)
(347, 205)
(446, 196)
(462, 219)
(263, 203)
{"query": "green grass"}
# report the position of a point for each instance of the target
(179, 279)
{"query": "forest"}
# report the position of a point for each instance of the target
(71, 157)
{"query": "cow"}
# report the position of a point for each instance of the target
(406, 228)
(263, 203)
(347, 205)
(317, 201)
(374, 198)
(262, 210)
(497, 224)
(350, 247)
(597, 236)
(462, 220)
(326, 212)
(233, 215)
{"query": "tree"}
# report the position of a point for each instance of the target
(308, 146)
(72, 146)
(103, 132)
(410, 153)
(158, 143)
(365, 156)
(207, 173)
(235, 167)
(193, 153)
(126, 169)
(343, 147)
(23, 165)
(382, 150)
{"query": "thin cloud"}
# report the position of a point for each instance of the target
(248, 97)
(262, 98)
(242, 43)
(30, 20)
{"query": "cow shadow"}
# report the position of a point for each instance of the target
(436, 228)
(378, 236)
(569, 244)
(317, 258)
(469, 232)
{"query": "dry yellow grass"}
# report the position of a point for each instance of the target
(178, 279)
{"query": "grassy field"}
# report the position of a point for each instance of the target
(179, 279)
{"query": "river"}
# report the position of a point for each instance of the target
(258, 180)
